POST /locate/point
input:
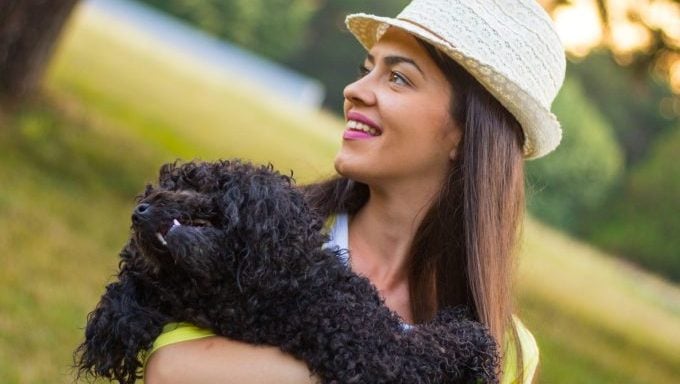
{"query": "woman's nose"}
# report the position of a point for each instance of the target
(360, 92)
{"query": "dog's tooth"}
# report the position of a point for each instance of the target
(161, 238)
(175, 223)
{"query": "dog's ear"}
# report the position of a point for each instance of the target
(116, 332)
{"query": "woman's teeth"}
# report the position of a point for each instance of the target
(359, 126)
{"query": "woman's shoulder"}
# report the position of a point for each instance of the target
(530, 354)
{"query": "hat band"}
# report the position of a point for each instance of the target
(426, 29)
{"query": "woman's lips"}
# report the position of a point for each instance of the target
(351, 134)
(360, 127)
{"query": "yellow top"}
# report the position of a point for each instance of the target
(529, 356)
(178, 332)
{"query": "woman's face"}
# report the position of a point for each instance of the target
(398, 122)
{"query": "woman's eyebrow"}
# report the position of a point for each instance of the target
(393, 60)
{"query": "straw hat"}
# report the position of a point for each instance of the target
(510, 46)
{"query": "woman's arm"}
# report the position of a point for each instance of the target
(220, 360)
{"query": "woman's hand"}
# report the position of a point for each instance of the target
(220, 360)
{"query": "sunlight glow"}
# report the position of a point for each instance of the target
(578, 26)
(628, 37)
(665, 15)
(580, 29)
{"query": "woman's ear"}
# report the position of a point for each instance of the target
(453, 139)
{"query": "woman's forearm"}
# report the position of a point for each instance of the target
(221, 360)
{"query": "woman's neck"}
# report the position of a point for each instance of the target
(381, 233)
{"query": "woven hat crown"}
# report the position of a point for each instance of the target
(510, 46)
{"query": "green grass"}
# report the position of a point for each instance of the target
(596, 319)
(114, 111)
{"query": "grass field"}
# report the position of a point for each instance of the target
(114, 111)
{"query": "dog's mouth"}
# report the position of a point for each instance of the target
(175, 223)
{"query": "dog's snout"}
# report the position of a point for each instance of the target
(140, 212)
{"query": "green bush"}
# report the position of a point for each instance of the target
(643, 222)
(628, 98)
(577, 176)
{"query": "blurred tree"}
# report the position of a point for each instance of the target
(643, 35)
(632, 106)
(330, 53)
(624, 42)
(273, 28)
(28, 32)
(579, 175)
(642, 221)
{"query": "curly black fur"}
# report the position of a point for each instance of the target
(247, 262)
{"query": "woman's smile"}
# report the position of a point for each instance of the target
(360, 127)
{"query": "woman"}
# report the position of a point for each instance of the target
(450, 101)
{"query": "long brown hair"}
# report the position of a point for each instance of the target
(462, 253)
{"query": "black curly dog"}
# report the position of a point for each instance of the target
(235, 248)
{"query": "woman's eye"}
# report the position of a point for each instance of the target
(363, 71)
(398, 78)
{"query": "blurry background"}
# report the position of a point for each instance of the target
(96, 94)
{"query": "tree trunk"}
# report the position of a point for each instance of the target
(28, 32)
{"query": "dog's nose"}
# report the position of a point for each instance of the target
(140, 212)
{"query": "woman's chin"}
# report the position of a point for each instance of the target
(351, 168)
(340, 166)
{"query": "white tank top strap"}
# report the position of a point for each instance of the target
(338, 232)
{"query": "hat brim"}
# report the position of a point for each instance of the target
(542, 131)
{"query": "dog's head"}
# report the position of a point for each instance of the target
(222, 220)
